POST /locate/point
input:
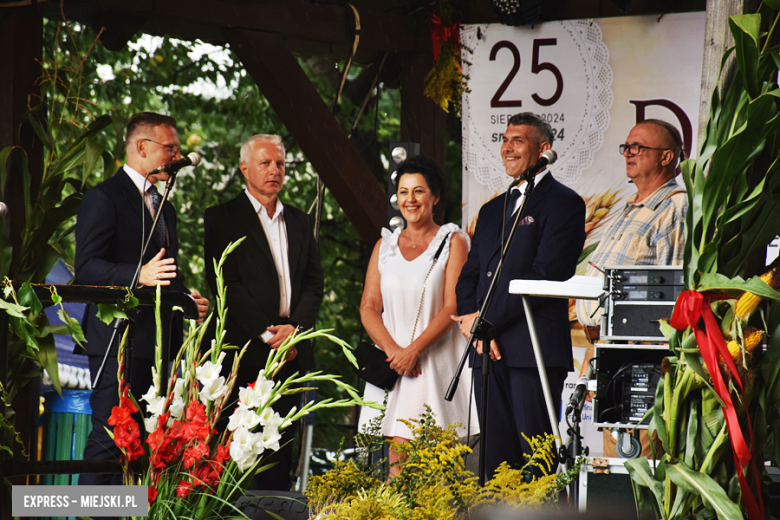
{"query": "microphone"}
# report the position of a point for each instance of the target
(3, 209)
(192, 159)
(578, 396)
(548, 157)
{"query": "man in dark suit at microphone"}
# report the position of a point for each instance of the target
(546, 246)
(114, 220)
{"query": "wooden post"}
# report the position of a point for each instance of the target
(717, 38)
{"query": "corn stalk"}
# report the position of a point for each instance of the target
(733, 212)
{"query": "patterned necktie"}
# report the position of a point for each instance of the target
(161, 232)
(511, 202)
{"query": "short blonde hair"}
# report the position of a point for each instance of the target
(249, 144)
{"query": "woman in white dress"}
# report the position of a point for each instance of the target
(394, 283)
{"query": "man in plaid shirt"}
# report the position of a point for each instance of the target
(650, 228)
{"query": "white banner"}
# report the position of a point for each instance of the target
(592, 80)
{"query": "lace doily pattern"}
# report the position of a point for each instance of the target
(500, 63)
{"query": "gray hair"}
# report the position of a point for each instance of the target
(249, 144)
(542, 128)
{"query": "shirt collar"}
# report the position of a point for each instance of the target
(259, 207)
(538, 179)
(138, 179)
(658, 196)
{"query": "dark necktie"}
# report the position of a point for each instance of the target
(161, 233)
(511, 202)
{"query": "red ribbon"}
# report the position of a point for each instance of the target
(691, 307)
(443, 33)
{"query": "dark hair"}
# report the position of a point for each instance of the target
(679, 153)
(145, 122)
(426, 167)
(541, 127)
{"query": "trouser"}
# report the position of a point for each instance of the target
(516, 406)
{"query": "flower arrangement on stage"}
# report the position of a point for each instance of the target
(191, 469)
(719, 390)
(433, 482)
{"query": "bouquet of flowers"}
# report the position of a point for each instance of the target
(191, 469)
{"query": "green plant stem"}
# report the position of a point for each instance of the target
(769, 36)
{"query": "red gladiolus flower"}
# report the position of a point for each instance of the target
(152, 494)
(183, 489)
(195, 454)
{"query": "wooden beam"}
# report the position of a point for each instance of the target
(310, 21)
(309, 120)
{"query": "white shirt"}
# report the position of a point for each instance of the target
(276, 233)
(521, 189)
(143, 186)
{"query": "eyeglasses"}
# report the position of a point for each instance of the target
(635, 149)
(170, 148)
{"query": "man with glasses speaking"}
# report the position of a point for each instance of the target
(650, 228)
(114, 218)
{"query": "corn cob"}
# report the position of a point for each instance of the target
(748, 301)
(752, 339)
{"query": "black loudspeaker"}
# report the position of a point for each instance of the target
(256, 505)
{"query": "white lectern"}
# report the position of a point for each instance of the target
(578, 287)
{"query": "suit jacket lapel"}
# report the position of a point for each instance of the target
(294, 239)
(248, 217)
(536, 196)
(133, 199)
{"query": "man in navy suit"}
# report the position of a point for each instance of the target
(274, 280)
(546, 246)
(109, 236)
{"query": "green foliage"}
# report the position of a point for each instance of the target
(734, 211)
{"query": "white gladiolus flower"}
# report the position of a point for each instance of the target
(155, 380)
(243, 416)
(176, 408)
(212, 389)
(150, 423)
(155, 403)
(178, 388)
(246, 447)
(208, 372)
(270, 419)
(271, 438)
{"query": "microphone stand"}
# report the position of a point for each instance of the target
(122, 323)
(486, 331)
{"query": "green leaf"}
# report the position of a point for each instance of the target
(648, 492)
(774, 4)
(17, 311)
(713, 495)
(47, 355)
(73, 327)
(734, 287)
(29, 299)
(745, 29)
(108, 312)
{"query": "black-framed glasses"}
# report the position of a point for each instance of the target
(170, 148)
(635, 149)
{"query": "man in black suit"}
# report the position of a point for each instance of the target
(546, 246)
(274, 279)
(109, 239)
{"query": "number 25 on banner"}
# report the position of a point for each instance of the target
(536, 68)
